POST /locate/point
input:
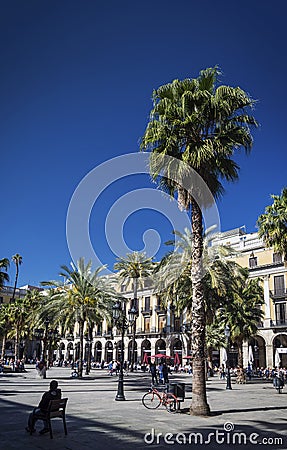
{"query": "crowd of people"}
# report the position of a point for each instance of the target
(12, 364)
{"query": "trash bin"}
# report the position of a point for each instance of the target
(178, 389)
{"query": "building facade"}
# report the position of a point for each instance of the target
(271, 338)
(159, 330)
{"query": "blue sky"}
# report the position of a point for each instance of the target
(76, 81)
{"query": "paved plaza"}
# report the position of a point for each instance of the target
(253, 414)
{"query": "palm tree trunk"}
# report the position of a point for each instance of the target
(16, 281)
(17, 342)
(81, 355)
(240, 353)
(199, 406)
(3, 345)
(135, 283)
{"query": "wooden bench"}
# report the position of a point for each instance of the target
(56, 409)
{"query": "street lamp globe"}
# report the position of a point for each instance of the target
(227, 331)
(132, 314)
(116, 310)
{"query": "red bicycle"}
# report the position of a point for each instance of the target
(154, 398)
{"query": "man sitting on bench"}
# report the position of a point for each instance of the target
(39, 412)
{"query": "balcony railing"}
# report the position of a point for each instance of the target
(279, 293)
(147, 312)
(278, 323)
(159, 310)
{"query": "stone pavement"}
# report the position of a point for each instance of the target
(96, 421)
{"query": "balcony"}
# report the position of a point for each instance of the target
(146, 312)
(259, 267)
(278, 323)
(159, 310)
(279, 293)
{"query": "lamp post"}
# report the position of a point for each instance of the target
(135, 314)
(88, 353)
(227, 337)
(39, 333)
(121, 321)
(45, 339)
(53, 337)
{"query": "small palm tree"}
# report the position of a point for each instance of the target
(243, 312)
(215, 339)
(4, 266)
(201, 124)
(17, 259)
(273, 224)
(135, 267)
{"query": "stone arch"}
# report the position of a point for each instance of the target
(176, 347)
(130, 351)
(280, 344)
(258, 347)
(98, 349)
(145, 349)
(160, 346)
(62, 348)
(109, 348)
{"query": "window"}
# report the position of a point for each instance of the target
(280, 313)
(147, 303)
(123, 288)
(146, 324)
(279, 285)
(177, 324)
(1, 299)
(147, 283)
(161, 323)
(277, 258)
(252, 262)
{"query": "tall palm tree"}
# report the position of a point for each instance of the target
(202, 124)
(17, 259)
(4, 266)
(135, 267)
(84, 297)
(273, 224)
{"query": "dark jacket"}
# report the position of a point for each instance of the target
(47, 396)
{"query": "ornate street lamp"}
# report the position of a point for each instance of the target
(39, 335)
(122, 322)
(227, 337)
(88, 353)
(133, 312)
(45, 339)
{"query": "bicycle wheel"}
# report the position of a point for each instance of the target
(151, 400)
(171, 403)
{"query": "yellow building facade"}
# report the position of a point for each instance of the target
(269, 266)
